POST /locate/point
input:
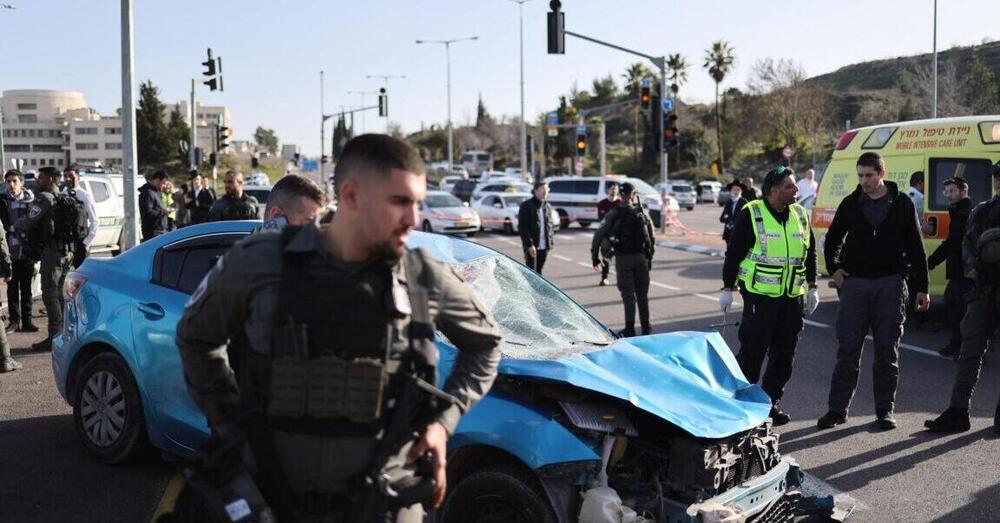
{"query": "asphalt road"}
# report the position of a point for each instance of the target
(901, 475)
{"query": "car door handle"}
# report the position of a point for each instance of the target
(152, 311)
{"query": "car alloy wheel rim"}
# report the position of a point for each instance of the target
(102, 409)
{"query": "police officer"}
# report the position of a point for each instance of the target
(39, 226)
(981, 255)
(773, 256)
(234, 205)
(294, 200)
(629, 230)
(337, 313)
(7, 363)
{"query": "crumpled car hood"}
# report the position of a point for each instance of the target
(690, 379)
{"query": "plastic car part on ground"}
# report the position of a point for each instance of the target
(603, 505)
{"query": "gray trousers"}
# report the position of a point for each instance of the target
(633, 284)
(55, 266)
(317, 464)
(878, 305)
(977, 327)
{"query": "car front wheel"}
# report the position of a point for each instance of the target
(108, 411)
(426, 227)
(499, 495)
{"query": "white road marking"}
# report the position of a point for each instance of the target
(815, 324)
(561, 257)
(581, 264)
(664, 285)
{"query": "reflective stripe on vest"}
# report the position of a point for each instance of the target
(775, 265)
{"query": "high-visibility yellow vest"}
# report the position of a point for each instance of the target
(776, 265)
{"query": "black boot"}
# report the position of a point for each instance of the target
(951, 420)
(647, 329)
(43, 346)
(778, 416)
(832, 419)
(27, 326)
(627, 332)
(14, 326)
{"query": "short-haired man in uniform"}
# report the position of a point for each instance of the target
(235, 204)
(772, 254)
(343, 307)
(15, 203)
(981, 257)
(871, 246)
(294, 200)
(630, 231)
(956, 190)
(39, 226)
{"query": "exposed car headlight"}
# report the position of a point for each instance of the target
(74, 282)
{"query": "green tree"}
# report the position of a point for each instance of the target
(341, 134)
(605, 91)
(983, 93)
(633, 80)
(267, 139)
(719, 59)
(483, 117)
(152, 135)
(678, 72)
(178, 130)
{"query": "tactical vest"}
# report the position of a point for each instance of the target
(776, 265)
(631, 235)
(340, 343)
(242, 209)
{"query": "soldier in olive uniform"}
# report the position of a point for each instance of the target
(57, 256)
(235, 204)
(7, 363)
(350, 296)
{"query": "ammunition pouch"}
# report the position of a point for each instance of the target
(328, 388)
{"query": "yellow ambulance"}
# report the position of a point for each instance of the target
(942, 148)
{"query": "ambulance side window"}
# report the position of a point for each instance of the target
(975, 171)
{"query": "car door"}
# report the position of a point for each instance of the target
(177, 270)
(109, 222)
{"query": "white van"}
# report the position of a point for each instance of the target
(110, 210)
(575, 198)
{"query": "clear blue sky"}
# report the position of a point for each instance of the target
(273, 51)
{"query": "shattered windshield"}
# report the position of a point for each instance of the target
(537, 320)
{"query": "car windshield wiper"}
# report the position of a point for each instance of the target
(589, 342)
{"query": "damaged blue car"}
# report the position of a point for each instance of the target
(580, 425)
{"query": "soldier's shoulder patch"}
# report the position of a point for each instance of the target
(34, 211)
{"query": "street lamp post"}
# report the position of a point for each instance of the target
(525, 168)
(447, 53)
(934, 95)
(3, 160)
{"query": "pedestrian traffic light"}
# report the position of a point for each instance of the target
(581, 143)
(222, 138)
(644, 94)
(383, 103)
(557, 29)
(670, 133)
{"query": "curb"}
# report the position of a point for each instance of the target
(689, 247)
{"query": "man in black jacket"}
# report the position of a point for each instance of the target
(151, 211)
(869, 267)
(199, 201)
(950, 251)
(731, 210)
(534, 219)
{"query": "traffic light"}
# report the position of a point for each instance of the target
(222, 138)
(213, 72)
(297, 158)
(254, 162)
(383, 103)
(581, 143)
(644, 93)
(557, 29)
(670, 132)
(325, 159)
(212, 159)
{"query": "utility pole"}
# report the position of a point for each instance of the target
(362, 93)
(934, 96)
(3, 160)
(524, 126)
(322, 134)
(192, 157)
(447, 53)
(130, 162)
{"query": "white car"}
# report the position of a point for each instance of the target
(683, 192)
(256, 178)
(260, 192)
(709, 191)
(575, 198)
(444, 213)
(500, 186)
(110, 207)
(499, 211)
(448, 183)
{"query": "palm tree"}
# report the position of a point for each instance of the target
(719, 62)
(633, 79)
(678, 67)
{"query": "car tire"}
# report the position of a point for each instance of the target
(503, 494)
(508, 226)
(470, 234)
(108, 412)
(584, 225)
(426, 226)
(691, 208)
(563, 219)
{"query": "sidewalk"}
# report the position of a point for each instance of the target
(685, 238)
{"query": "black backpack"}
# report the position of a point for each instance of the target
(69, 218)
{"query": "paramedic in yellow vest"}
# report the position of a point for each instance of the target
(772, 257)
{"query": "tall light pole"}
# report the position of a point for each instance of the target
(362, 93)
(322, 134)
(129, 156)
(447, 54)
(3, 160)
(525, 168)
(934, 67)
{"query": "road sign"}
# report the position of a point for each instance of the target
(581, 129)
(645, 82)
(310, 165)
(668, 105)
(552, 120)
